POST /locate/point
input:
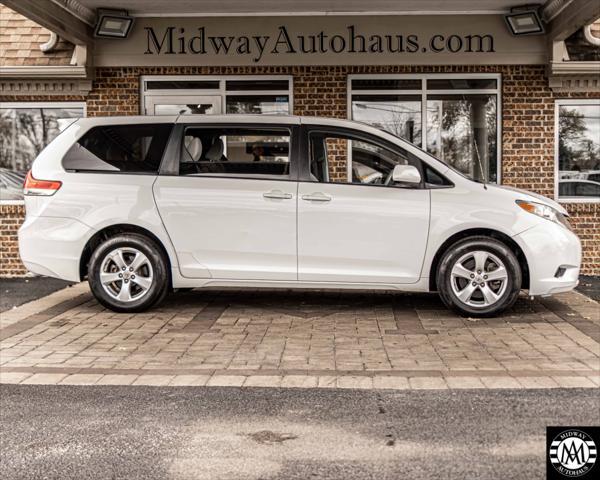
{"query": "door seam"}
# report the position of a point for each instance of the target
(297, 233)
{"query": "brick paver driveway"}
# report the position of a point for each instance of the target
(302, 339)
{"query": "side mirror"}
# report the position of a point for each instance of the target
(406, 174)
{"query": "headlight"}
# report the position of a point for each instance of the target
(545, 211)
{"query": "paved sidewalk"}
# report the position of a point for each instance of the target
(302, 339)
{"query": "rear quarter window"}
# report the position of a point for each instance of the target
(119, 149)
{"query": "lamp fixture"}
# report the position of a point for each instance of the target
(113, 24)
(524, 20)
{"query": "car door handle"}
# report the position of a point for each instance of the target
(277, 194)
(317, 197)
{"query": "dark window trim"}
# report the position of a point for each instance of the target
(110, 172)
(170, 164)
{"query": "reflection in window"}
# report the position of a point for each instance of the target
(258, 104)
(454, 118)
(461, 131)
(185, 109)
(24, 132)
(397, 114)
(579, 150)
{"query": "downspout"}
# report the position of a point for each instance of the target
(591, 39)
(50, 44)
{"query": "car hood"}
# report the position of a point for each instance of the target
(534, 197)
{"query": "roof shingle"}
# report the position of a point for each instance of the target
(20, 40)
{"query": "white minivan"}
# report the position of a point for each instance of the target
(143, 205)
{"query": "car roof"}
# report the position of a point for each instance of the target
(229, 118)
(239, 118)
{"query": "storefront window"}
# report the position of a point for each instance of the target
(578, 149)
(173, 95)
(454, 118)
(25, 129)
(461, 131)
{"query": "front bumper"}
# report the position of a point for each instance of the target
(553, 255)
(52, 246)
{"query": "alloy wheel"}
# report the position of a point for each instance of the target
(479, 279)
(126, 274)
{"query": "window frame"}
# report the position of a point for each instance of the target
(557, 104)
(221, 90)
(25, 105)
(423, 93)
(172, 156)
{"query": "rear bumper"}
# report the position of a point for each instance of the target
(52, 246)
(554, 257)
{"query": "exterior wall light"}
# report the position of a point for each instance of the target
(113, 24)
(524, 20)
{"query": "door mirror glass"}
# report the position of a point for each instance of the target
(406, 174)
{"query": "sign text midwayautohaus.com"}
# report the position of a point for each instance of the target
(179, 41)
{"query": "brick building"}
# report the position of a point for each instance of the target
(520, 110)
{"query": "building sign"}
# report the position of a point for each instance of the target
(175, 41)
(320, 40)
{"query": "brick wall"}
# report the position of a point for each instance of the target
(527, 122)
(585, 218)
(11, 217)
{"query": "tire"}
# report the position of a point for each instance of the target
(123, 289)
(471, 281)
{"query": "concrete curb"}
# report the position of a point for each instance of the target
(377, 382)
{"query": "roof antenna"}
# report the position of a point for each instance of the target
(483, 176)
(480, 164)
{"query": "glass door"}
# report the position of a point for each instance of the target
(183, 104)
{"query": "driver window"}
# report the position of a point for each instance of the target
(341, 159)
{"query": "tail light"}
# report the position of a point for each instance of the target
(33, 186)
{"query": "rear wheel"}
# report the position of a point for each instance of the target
(128, 273)
(479, 276)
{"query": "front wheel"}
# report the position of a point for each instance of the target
(479, 276)
(128, 273)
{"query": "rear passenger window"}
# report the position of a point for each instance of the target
(119, 148)
(235, 151)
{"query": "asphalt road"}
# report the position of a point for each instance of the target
(17, 291)
(64, 432)
(590, 286)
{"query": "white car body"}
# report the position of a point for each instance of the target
(223, 232)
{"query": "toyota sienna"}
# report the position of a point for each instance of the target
(143, 205)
